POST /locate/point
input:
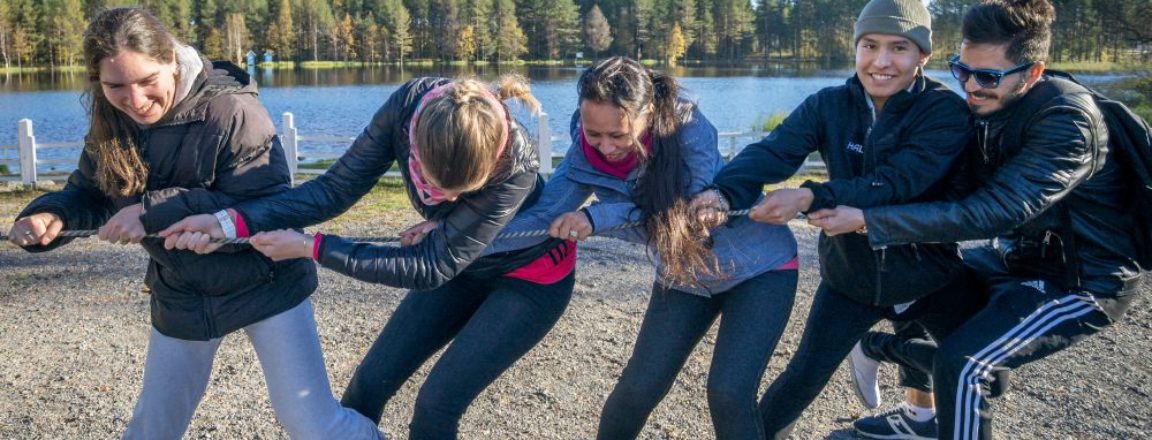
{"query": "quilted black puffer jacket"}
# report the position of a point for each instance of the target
(216, 147)
(467, 225)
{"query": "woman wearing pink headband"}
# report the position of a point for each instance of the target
(468, 166)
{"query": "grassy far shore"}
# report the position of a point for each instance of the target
(1094, 67)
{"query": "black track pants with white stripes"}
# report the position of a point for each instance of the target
(1026, 320)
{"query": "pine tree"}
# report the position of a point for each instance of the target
(64, 25)
(478, 13)
(369, 38)
(677, 46)
(346, 35)
(396, 19)
(236, 37)
(5, 34)
(281, 37)
(443, 16)
(597, 33)
(466, 43)
(511, 42)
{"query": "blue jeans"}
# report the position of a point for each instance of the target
(754, 312)
(491, 323)
(177, 372)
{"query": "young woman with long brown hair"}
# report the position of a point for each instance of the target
(173, 134)
(643, 151)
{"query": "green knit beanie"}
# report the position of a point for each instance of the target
(907, 18)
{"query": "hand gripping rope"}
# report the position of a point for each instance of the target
(387, 239)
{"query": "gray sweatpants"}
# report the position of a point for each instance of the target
(176, 374)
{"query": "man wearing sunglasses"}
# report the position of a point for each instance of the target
(1051, 195)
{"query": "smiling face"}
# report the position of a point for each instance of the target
(608, 129)
(887, 64)
(139, 86)
(984, 101)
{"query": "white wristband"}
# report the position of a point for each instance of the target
(226, 224)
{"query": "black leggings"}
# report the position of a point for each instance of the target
(491, 323)
(835, 323)
(752, 318)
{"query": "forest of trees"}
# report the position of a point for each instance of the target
(47, 33)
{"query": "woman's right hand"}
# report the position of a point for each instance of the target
(417, 233)
(36, 229)
(194, 233)
(571, 226)
(711, 208)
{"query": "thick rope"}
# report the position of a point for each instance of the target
(385, 239)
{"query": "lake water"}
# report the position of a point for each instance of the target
(339, 102)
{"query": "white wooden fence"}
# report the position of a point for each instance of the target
(27, 147)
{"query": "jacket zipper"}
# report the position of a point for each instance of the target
(1044, 244)
(209, 323)
(983, 124)
(883, 259)
(869, 163)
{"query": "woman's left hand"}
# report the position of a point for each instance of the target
(781, 206)
(841, 220)
(283, 244)
(124, 227)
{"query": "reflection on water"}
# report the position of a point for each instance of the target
(341, 101)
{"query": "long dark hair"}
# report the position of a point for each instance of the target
(661, 188)
(111, 140)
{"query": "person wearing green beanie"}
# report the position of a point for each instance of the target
(916, 414)
(890, 135)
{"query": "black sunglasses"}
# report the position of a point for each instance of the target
(986, 78)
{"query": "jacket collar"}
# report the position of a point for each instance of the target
(1000, 117)
(897, 103)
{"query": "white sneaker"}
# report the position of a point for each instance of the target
(864, 371)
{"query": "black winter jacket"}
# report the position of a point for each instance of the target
(215, 148)
(904, 155)
(1050, 190)
(467, 225)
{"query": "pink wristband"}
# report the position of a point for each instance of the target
(241, 227)
(316, 246)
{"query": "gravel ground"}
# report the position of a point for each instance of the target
(74, 326)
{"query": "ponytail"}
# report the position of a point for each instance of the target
(661, 188)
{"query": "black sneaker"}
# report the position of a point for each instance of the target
(895, 423)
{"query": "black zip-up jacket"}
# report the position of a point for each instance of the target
(216, 147)
(467, 225)
(905, 155)
(1049, 184)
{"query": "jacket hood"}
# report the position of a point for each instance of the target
(218, 78)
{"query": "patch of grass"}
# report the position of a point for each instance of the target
(771, 122)
(329, 64)
(12, 202)
(278, 65)
(1098, 66)
(797, 179)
